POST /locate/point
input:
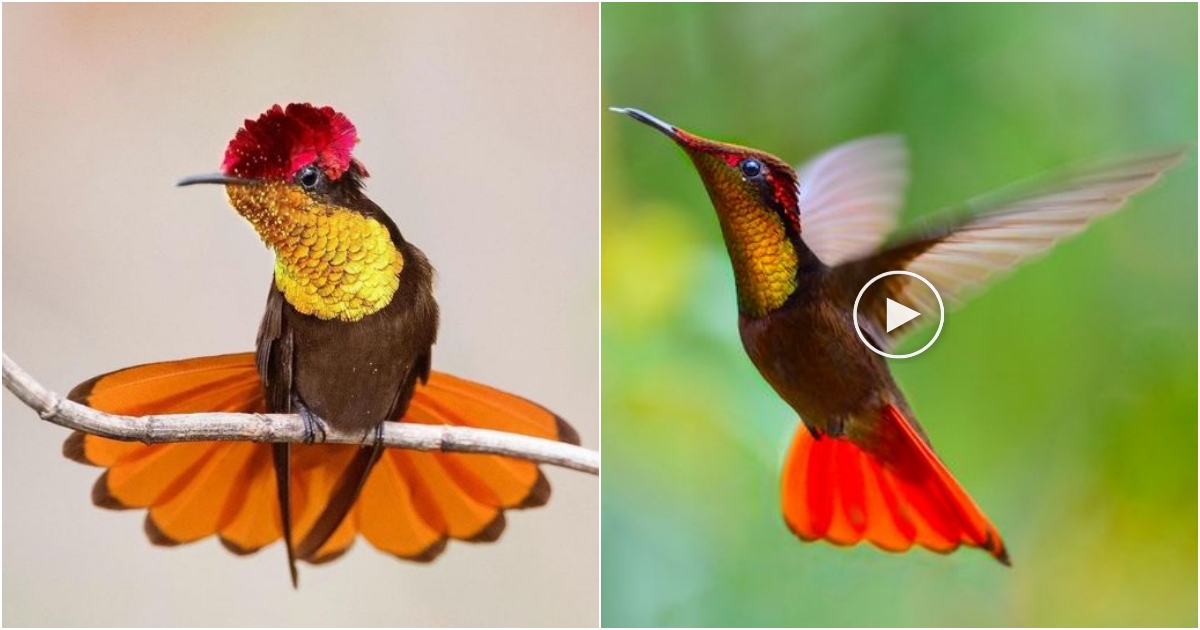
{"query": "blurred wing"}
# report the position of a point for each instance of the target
(1004, 230)
(850, 197)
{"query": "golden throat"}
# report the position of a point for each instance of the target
(330, 262)
(765, 261)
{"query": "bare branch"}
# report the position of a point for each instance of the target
(232, 427)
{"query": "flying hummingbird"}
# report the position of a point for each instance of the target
(803, 243)
(346, 339)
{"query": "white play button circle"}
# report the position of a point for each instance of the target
(897, 314)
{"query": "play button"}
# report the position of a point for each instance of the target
(910, 290)
(898, 314)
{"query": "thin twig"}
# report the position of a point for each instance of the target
(233, 427)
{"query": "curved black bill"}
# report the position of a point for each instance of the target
(214, 178)
(647, 119)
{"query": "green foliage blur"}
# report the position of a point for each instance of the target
(1064, 398)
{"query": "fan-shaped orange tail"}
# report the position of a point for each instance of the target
(894, 495)
(411, 504)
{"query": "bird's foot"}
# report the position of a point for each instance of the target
(313, 425)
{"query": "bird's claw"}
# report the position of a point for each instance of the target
(313, 425)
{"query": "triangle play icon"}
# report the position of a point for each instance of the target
(898, 315)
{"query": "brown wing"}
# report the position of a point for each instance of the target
(273, 359)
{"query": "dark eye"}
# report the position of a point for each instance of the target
(751, 168)
(309, 177)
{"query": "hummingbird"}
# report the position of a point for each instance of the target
(346, 340)
(804, 243)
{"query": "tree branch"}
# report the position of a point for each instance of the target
(232, 427)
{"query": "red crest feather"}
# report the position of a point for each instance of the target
(283, 141)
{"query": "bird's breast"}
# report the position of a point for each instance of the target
(330, 262)
(812, 358)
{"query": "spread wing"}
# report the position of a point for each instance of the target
(999, 231)
(850, 197)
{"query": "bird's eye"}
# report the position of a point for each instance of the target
(751, 168)
(309, 177)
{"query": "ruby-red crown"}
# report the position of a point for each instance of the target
(282, 141)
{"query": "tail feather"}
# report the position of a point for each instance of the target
(411, 503)
(508, 479)
(887, 527)
(254, 523)
(281, 461)
(194, 511)
(339, 542)
(464, 517)
(158, 475)
(338, 498)
(849, 518)
(188, 386)
(894, 494)
(388, 517)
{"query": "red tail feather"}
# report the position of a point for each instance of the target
(893, 495)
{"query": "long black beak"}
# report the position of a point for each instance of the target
(645, 118)
(215, 178)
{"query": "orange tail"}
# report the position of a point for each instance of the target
(411, 504)
(893, 495)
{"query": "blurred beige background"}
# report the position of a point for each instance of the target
(479, 127)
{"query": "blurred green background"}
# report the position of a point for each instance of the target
(1064, 398)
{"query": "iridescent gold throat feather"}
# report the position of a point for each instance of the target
(330, 262)
(764, 260)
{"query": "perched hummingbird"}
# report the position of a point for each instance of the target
(346, 339)
(803, 243)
